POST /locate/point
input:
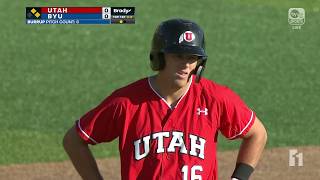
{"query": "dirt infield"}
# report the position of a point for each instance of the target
(273, 165)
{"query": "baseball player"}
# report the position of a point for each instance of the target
(168, 124)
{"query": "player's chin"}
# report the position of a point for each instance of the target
(181, 81)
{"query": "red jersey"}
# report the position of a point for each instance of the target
(160, 142)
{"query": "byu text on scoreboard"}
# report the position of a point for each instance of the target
(80, 15)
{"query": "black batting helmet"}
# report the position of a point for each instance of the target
(178, 36)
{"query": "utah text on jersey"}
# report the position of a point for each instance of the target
(196, 144)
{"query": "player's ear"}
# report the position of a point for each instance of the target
(199, 61)
(162, 61)
(153, 62)
(157, 61)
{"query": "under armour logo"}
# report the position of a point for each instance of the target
(205, 111)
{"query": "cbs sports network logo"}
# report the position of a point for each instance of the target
(296, 17)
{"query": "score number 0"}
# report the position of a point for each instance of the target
(106, 12)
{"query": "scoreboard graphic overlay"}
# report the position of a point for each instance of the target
(80, 15)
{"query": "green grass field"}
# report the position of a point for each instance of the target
(52, 74)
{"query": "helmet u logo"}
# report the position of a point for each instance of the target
(188, 36)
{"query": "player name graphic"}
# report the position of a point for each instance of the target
(196, 144)
(121, 11)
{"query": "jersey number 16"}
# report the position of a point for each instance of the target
(194, 176)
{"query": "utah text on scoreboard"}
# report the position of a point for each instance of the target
(80, 15)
